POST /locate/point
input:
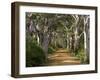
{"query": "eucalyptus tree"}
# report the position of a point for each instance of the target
(67, 21)
(82, 34)
(47, 29)
(86, 21)
(43, 25)
(71, 25)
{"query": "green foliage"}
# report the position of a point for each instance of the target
(34, 54)
(60, 31)
(81, 55)
(50, 50)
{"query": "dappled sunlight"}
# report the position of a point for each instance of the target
(57, 39)
(62, 57)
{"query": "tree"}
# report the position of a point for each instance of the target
(86, 36)
(64, 30)
(43, 26)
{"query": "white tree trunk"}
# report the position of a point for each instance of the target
(85, 45)
(38, 40)
(45, 44)
(67, 42)
(85, 37)
(76, 39)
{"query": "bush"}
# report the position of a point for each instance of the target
(50, 50)
(34, 54)
(81, 55)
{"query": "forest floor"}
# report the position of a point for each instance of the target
(62, 57)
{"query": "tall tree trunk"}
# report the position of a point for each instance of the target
(87, 41)
(88, 47)
(86, 37)
(76, 39)
(70, 43)
(38, 39)
(67, 42)
(45, 45)
(85, 46)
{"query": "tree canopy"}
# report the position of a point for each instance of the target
(70, 31)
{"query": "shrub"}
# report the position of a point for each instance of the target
(81, 55)
(50, 50)
(34, 54)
